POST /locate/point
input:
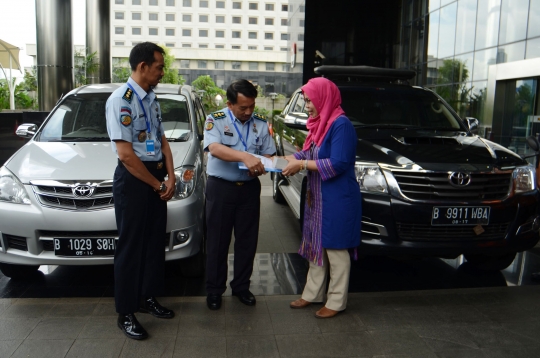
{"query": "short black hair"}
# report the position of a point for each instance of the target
(241, 86)
(144, 52)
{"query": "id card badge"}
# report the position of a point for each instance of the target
(150, 149)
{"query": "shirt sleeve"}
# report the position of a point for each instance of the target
(211, 133)
(301, 155)
(119, 119)
(342, 151)
(268, 145)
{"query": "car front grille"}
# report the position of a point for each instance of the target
(64, 196)
(420, 232)
(16, 242)
(436, 186)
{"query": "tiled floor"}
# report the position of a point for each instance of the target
(397, 308)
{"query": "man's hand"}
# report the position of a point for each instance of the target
(254, 165)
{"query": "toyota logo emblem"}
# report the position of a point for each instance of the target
(459, 179)
(83, 190)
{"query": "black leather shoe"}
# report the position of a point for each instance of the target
(152, 306)
(213, 301)
(131, 327)
(246, 297)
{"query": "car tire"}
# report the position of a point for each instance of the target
(276, 193)
(18, 272)
(491, 263)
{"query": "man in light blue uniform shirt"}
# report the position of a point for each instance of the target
(140, 191)
(233, 194)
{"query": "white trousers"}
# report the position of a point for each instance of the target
(338, 264)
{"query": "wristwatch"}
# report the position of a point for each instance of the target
(162, 188)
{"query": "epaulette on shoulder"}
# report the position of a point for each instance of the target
(128, 95)
(218, 115)
(260, 117)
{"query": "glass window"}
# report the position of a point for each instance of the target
(186, 3)
(186, 45)
(268, 48)
(220, 4)
(169, 44)
(203, 33)
(135, 2)
(236, 5)
(253, 6)
(119, 43)
(169, 17)
(269, 21)
(269, 7)
(487, 25)
(270, 66)
(434, 5)
(119, 30)
(203, 3)
(133, 43)
(285, 49)
(220, 33)
(203, 18)
(186, 32)
(284, 7)
(252, 47)
(236, 47)
(301, 8)
(236, 20)
(236, 65)
(202, 63)
(253, 21)
(253, 66)
(268, 36)
(136, 31)
(447, 26)
(186, 18)
(534, 19)
(219, 65)
(284, 22)
(120, 2)
(119, 15)
(464, 67)
(153, 2)
(513, 26)
(511, 53)
(169, 32)
(466, 26)
(482, 60)
(236, 34)
(136, 16)
(153, 31)
(220, 46)
(285, 36)
(533, 48)
(170, 2)
(433, 35)
(285, 67)
(301, 23)
(220, 19)
(252, 35)
(184, 63)
(153, 16)
(300, 37)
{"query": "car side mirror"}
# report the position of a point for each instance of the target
(26, 130)
(296, 120)
(472, 123)
(532, 141)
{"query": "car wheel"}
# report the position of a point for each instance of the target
(491, 263)
(276, 193)
(18, 271)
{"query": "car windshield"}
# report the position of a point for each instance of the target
(395, 107)
(81, 118)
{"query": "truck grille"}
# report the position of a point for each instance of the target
(436, 186)
(64, 196)
(418, 232)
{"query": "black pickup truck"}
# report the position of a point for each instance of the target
(430, 185)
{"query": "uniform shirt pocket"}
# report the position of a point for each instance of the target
(229, 140)
(139, 124)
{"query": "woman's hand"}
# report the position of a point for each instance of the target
(293, 167)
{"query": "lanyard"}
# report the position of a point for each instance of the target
(237, 131)
(144, 110)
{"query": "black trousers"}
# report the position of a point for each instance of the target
(139, 259)
(230, 206)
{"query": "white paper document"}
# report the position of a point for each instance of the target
(273, 164)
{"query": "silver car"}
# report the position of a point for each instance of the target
(56, 203)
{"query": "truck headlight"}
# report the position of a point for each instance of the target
(11, 188)
(370, 178)
(186, 180)
(524, 179)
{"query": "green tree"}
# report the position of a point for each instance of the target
(171, 74)
(22, 99)
(85, 65)
(208, 90)
(121, 70)
(453, 76)
(30, 80)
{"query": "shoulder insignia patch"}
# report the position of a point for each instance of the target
(218, 115)
(125, 120)
(128, 95)
(260, 117)
(209, 125)
(125, 110)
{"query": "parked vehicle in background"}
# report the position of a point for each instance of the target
(430, 185)
(56, 203)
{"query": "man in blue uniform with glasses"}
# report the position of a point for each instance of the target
(140, 191)
(233, 194)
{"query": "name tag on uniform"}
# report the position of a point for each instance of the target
(150, 149)
(229, 134)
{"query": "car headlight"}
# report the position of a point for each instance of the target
(370, 178)
(11, 188)
(524, 179)
(186, 180)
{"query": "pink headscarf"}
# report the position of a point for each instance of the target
(326, 98)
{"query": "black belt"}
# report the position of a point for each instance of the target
(236, 183)
(149, 165)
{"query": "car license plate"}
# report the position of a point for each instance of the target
(460, 215)
(80, 247)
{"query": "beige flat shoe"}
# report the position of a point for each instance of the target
(300, 303)
(326, 313)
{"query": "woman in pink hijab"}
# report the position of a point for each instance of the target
(332, 213)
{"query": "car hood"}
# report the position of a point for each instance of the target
(433, 150)
(73, 161)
